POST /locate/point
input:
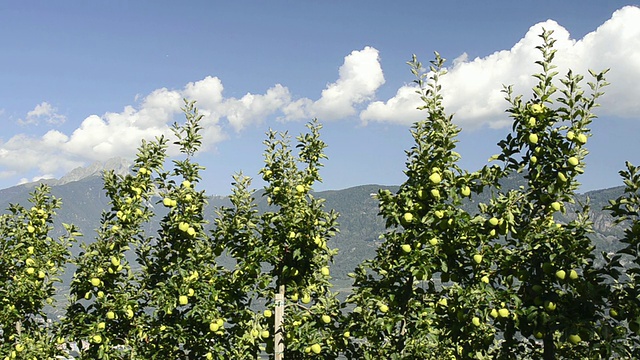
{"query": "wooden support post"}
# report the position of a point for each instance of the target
(278, 340)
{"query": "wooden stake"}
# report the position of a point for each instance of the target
(278, 339)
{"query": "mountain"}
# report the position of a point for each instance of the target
(83, 201)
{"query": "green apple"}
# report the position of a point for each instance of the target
(300, 189)
(346, 334)
(570, 135)
(556, 206)
(325, 271)
(191, 231)
(573, 161)
(101, 325)
(573, 275)
(533, 159)
(19, 347)
(494, 221)
(561, 274)
(439, 214)
(538, 334)
(485, 279)
(383, 308)
(294, 297)
(537, 108)
(562, 177)
(533, 138)
(326, 319)
(183, 226)
(316, 348)
(267, 313)
(183, 300)
(443, 302)
(531, 122)
(477, 258)
(407, 217)
(406, 248)
(115, 261)
(96, 338)
(186, 184)
(435, 178)
(549, 305)
(581, 139)
(503, 312)
(30, 229)
(95, 281)
(574, 339)
(547, 267)
(31, 271)
(433, 241)
(494, 313)
(537, 288)
(305, 299)
(213, 326)
(435, 193)
(111, 315)
(167, 202)
(264, 334)
(465, 191)
(475, 321)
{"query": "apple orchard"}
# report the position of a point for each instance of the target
(504, 280)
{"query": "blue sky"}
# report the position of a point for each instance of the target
(85, 81)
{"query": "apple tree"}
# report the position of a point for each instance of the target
(31, 260)
(425, 294)
(284, 250)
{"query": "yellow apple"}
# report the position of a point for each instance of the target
(556, 206)
(101, 325)
(549, 305)
(300, 189)
(264, 334)
(166, 202)
(183, 300)
(406, 248)
(561, 274)
(494, 221)
(111, 315)
(494, 313)
(433, 241)
(316, 348)
(582, 139)
(306, 299)
(574, 339)
(533, 159)
(485, 279)
(537, 108)
(96, 338)
(326, 319)
(407, 217)
(573, 161)
(186, 184)
(325, 271)
(477, 258)
(533, 138)
(503, 312)
(465, 191)
(475, 321)
(95, 281)
(213, 326)
(383, 308)
(267, 313)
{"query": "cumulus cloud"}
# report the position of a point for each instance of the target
(472, 89)
(359, 78)
(43, 112)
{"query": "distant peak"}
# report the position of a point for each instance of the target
(118, 165)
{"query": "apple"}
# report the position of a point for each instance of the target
(407, 217)
(475, 321)
(465, 191)
(19, 347)
(30, 270)
(346, 334)
(183, 300)
(183, 226)
(582, 139)
(190, 292)
(549, 305)
(547, 267)
(533, 138)
(213, 326)
(166, 202)
(562, 177)
(30, 250)
(294, 297)
(537, 108)
(101, 325)
(477, 258)
(209, 356)
(570, 135)
(300, 189)
(191, 231)
(435, 178)
(531, 122)
(485, 279)
(573, 275)
(316, 348)
(115, 261)
(556, 206)
(494, 313)
(95, 281)
(494, 221)
(60, 340)
(30, 229)
(129, 313)
(443, 302)
(264, 334)
(439, 214)
(383, 308)
(561, 274)
(267, 313)
(533, 159)
(538, 334)
(573, 161)
(574, 339)
(325, 271)
(435, 193)
(406, 248)
(186, 184)
(96, 338)
(503, 312)
(537, 288)
(326, 319)
(111, 315)
(305, 299)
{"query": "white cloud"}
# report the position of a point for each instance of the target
(42, 112)
(359, 78)
(472, 89)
